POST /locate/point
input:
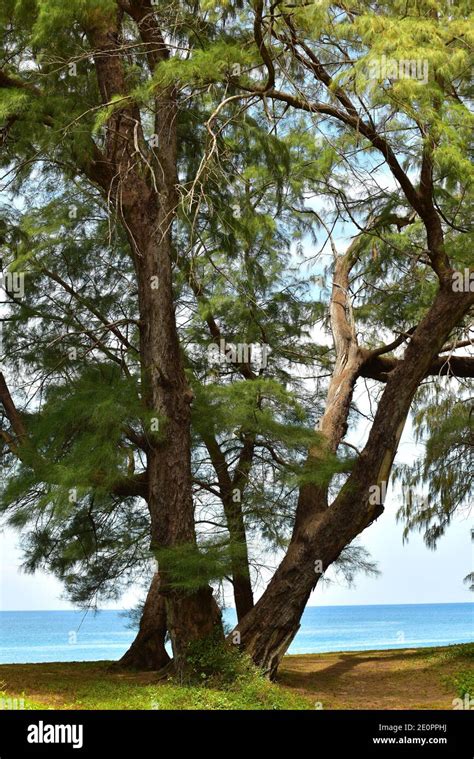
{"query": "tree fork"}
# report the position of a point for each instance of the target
(321, 534)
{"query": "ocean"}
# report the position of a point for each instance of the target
(47, 636)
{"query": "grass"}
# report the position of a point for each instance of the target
(423, 678)
(90, 685)
(464, 678)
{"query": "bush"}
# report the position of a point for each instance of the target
(215, 663)
(464, 682)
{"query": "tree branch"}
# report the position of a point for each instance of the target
(379, 367)
(11, 411)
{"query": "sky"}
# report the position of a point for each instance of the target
(411, 573)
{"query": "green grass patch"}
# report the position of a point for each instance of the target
(463, 680)
(84, 685)
(456, 652)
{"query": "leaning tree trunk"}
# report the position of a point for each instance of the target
(321, 533)
(148, 651)
(298, 573)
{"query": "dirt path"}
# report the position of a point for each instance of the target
(394, 679)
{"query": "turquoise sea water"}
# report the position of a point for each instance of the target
(43, 636)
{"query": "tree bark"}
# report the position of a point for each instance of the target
(148, 651)
(239, 555)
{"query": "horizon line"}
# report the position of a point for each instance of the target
(312, 606)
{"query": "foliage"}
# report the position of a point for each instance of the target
(464, 682)
(218, 663)
(444, 472)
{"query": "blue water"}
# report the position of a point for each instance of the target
(45, 636)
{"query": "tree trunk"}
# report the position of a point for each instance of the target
(229, 487)
(148, 651)
(241, 582)
(321, 533)
(143, 186)
(191, 615)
